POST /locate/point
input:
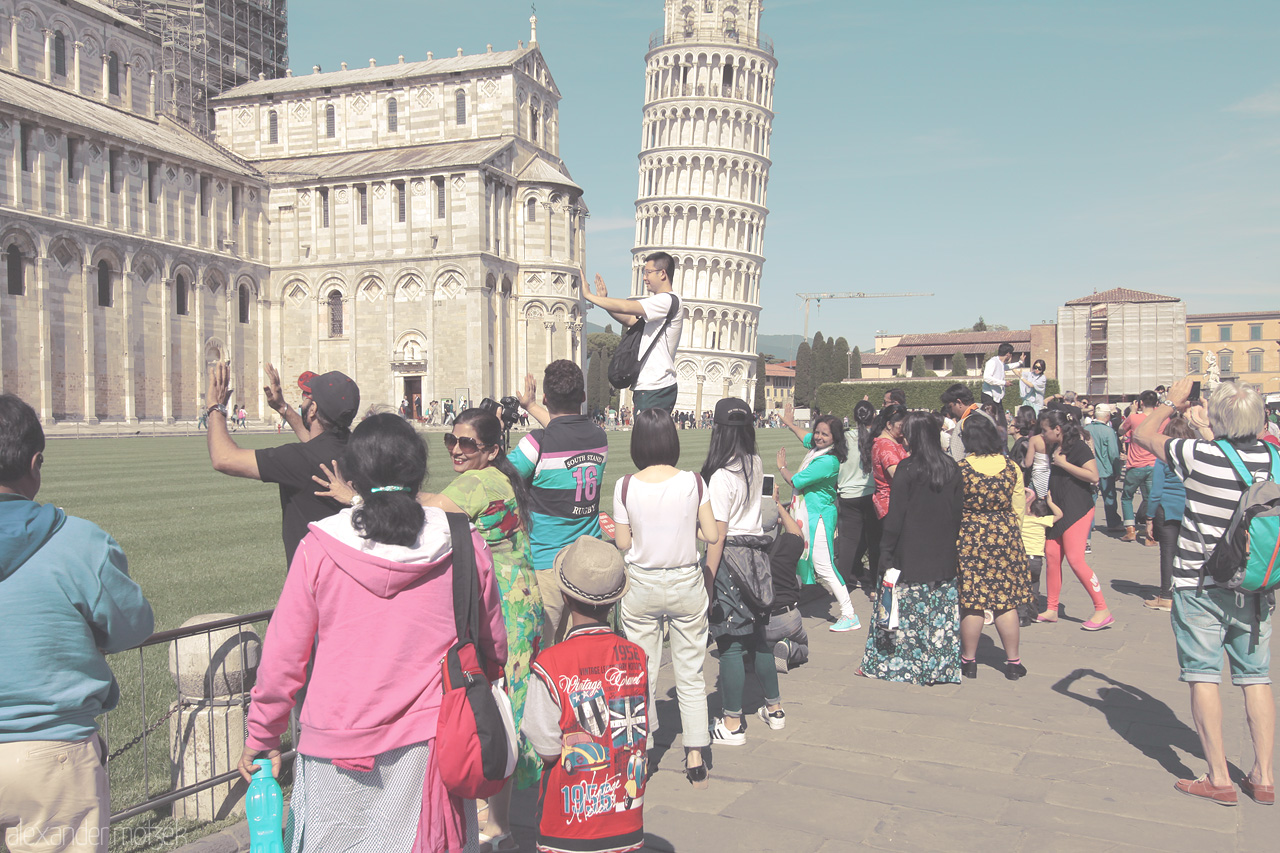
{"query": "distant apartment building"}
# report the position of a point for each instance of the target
(1247, 346)
(895, 354)
(779, 384)
(1118, 343)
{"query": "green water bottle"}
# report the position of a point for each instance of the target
(264, 807)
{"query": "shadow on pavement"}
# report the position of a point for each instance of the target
(1139, 590)
(1148, 724)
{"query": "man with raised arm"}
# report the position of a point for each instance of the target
(328, 407)
(564, 465)
(1210, 622)
(655, 387)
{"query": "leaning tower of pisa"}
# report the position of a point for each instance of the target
(704, 175)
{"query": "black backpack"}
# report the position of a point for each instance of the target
(624, 367)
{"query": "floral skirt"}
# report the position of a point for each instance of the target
(925, 647)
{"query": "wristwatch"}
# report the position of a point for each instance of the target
(218, 408)
(1169, 404)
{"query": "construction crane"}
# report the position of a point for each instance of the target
(818, 297)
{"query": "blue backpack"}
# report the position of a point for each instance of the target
(1248, 556)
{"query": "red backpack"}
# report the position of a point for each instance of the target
(475, 736)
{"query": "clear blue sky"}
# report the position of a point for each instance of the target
(1006, 156)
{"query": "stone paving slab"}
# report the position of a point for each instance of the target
(1081, 755)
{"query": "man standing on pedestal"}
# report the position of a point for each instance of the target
(994, 380)
(656, 386)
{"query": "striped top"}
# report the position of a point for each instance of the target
(1213, 493)
(564, 465)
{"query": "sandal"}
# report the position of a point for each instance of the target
(494, 844)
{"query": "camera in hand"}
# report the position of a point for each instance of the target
(507, 411)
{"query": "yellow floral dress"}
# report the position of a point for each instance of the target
(993, 563)
(488, 500)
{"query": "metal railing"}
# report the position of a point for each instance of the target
(130, 766)
(711, 35)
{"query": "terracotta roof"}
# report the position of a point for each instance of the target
(949, 343)
(978, 339)
(1122, 294)
(1239, 315)
(779, 370)
(871, 357)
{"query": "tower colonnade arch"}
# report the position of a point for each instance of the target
(702, 192)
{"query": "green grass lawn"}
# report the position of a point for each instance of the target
(199, 542)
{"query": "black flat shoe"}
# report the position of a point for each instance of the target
(1014, 671)
(697, 776)
(969, 668)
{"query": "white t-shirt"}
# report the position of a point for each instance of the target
(663, 518)
(736, 501)
(659, 370)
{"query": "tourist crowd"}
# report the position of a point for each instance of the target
(947, 520)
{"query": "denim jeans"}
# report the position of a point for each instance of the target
(1136, 479)
(1107, 486)
(1213, 621)
(677, 597)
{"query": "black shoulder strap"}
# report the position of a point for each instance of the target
(671, 315)
(466, 583)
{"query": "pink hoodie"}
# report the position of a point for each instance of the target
(383, 616)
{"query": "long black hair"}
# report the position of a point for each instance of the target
(839, 447)
(864, 414)
(384, 451)
(488, 430)
(730, 443)
(1058, 419)
(922, 432)
(891, 413)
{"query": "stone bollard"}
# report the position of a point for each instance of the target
(214, 673)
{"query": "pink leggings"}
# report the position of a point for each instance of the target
(1072, 543)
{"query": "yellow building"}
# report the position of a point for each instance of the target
(780, 384)
(1247, 346)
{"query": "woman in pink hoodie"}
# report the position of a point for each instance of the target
(368, 605)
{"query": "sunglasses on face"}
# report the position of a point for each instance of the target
(468, 445)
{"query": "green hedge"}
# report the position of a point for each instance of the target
(839, 398)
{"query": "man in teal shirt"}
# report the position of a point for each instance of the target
(67, 602)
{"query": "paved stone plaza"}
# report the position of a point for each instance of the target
(1080, 755)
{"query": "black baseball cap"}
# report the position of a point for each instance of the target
(335, 394)
(733, 412)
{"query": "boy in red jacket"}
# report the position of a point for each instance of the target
(587, 714)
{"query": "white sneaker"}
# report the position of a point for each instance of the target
(773, 719)
(781, 654)
(721, 734)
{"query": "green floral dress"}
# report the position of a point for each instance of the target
(487, 498)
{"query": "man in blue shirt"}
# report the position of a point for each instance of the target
(564, 465)
(67, 602)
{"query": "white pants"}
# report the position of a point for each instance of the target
(679, 598)
(825, 571)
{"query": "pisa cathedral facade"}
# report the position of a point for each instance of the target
(411, 225)
(704, 175)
